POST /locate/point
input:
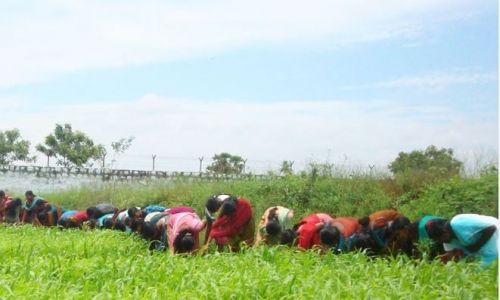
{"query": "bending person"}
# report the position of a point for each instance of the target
(466, 235)
(234, 224)
(273, 223)
(183, 230)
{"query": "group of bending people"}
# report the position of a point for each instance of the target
(229, 222)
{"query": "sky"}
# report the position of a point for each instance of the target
(349, 82)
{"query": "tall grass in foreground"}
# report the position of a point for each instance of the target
(42, 263)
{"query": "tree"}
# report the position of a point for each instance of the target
(438, 162)
(47, 151)
(71, 148)
(13, 148)
(227, 164)
(286, 167)
(118, 147)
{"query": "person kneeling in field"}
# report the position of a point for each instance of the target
(50, 215)
(466, 235)
(3, 200)
(108, 221)
(212, 206)
(273, 223)
(12, 211)
(73, 219)
(138, 213)
(344, 229)
(95, 212)
(234, 224)
(33, 206)
(183, 230)
(377, 225)
(154, 226)
(404, 236)
(313, 231)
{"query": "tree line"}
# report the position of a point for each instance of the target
(73, 148)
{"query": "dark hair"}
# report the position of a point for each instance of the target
(184, 242)
(364, 222)
(29, 193)
(362, 241)
(136, 225)
(436, 228)
(400, 223)
(63, 223)
(273, 228)
(229, 206)
(92, 212)
(132, 211)
(92, 223)
(108, 223)
(2, 193)
(42, 216)
(212, 204)
(17, 202)
(288, 237)
(148, 231)
(120, 226)
(329, 235)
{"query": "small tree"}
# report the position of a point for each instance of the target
(415, 170)
(439, 162)
(286, 167)
(13, 148)
(71, 148)
(47, 151)
(227, 164)
(118, 147)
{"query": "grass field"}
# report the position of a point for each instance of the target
(41, 263)
(45, 263)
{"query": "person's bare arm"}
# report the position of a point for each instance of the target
(485, 235)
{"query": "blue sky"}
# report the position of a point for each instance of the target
(433, 63)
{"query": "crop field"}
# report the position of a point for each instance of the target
(41, 263)
(47, 263)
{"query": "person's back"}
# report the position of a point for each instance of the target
(467, 228)
(235, 224)
(382, 218)
(308, 231)
(273, 223)
(346, 225)
(183, 222)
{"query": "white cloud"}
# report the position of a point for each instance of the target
(432, 81)
(179, 130)
(42, 39)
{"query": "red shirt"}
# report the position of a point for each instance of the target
(308, 233)
(81, 216)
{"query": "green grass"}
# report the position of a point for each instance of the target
(357, 196)
(42, 263)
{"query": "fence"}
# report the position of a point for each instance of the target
(116, 174)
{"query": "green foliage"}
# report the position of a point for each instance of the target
(415, 170)
(41, 263)
(432, 160)
(122, 145)
(286, 168)
(13, 148)
(227, 164)
(455, 196)
(71, 148)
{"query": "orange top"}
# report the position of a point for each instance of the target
(346, 225)
(381, 218)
